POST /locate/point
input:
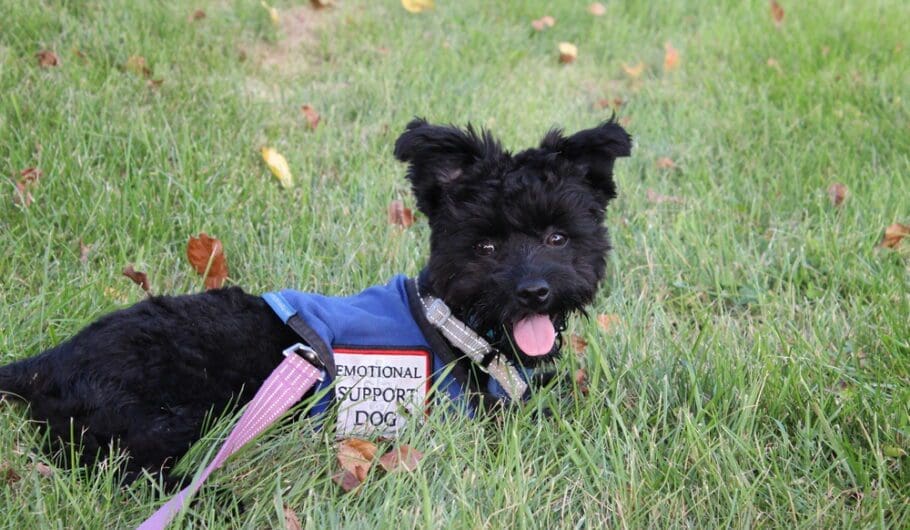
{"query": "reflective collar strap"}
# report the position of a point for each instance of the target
(474, 347)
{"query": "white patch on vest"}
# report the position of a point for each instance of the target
(378, 391)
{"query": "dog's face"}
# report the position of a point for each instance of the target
(518, 241)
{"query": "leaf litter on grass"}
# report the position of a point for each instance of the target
(206, 255)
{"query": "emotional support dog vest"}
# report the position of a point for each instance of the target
(386, 368)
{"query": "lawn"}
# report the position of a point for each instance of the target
(755, 366)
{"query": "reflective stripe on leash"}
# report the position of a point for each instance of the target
(281, 390)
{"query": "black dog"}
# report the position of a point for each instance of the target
(517, 244)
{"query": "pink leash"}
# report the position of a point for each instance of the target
(283, 388)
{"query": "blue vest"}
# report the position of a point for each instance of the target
(379, 317)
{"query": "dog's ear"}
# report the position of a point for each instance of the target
(440, 157)
(594, 151)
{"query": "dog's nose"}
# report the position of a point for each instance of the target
(534, 292)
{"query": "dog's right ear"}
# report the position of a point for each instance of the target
(439, 158)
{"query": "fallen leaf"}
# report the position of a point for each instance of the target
(777, 13)
(84, 251)
(47, 59)
(893, 235)
(356, 456)
(155, 84)
(773, 63)
(312, 117)
(22, 195)
(597, 9)
(44, 470)
(568, 52)
(402, 458)
(138, 65)
(346, 480)
(671, 57)
(279, 166)
(399, 215)
(206, 255)
(291, 521)
(273, 13)
(608, 323)
(543, 22)
(139, 278)
(634, 71)
(321, 4)
(8, 474)
(657, 198)
(838, 193)
(197, 15)
(579, 344)
(581, 380)
(417, 6)
(665, 163)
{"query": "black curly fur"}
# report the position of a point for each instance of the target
(147, 376)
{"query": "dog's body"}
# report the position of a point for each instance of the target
(517, 244)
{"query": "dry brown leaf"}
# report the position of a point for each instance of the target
(657, 198)
(198, 14)
(22, 195)
(312, 117)
(139, 278)
(84, 251)
(356, 456)
(543, 23)
(346, 480)
(671, 57)
(138, 65)
(30, 174)
(207, 254)
(893, 235)
(838, 193)
(321, 4)
(402, 458)
(597, 9)
(154, 84)
(608, 323)
(399, 215)
(8, 475)
(47, 59)
(665, 163)
(291, 521)
(568, 52)
(417, 6)
(777, 13)
(634, 71)
(44, 470)
(581, 381)
(579, 344)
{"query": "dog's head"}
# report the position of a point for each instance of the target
(517, 241)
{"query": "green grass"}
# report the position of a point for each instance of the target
(761, 373)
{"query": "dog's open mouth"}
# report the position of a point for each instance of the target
(534, 335)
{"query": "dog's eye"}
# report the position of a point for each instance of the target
(557, 239)
(485, 248)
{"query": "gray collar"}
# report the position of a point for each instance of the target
(474, 347)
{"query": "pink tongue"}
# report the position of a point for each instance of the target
(535, 335)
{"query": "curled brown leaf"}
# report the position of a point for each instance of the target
(838, 193)
(312, 117)
(893, 235)
(47, 59)
(356, 456)
(206, 255)
(401, 458)
(608, 323)
(777, 13)
(139, 278)
(578, 343)
(399, 215)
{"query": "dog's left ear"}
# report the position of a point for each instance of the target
(440, 158)
(594, 151)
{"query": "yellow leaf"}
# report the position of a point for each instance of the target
(273, 13)
(279, 167)
(634, 71)
(567, 52)
(417, 6)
